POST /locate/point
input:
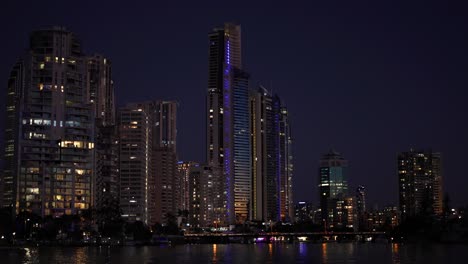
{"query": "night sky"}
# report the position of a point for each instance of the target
(368, 80)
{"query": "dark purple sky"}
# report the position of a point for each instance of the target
(369, 80)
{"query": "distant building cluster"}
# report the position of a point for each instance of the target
(420, 193)
(68, 148)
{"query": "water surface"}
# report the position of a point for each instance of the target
(241, 253)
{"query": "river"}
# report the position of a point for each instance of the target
(244, 253)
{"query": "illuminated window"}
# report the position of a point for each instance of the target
(32, 190)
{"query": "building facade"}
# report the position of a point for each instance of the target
(149, 181)
(272, 166)
(49, 152)
(286, 206)
(420, 183)
(137, 182)
(164, 160)
(226, 108)
(361, 206)
(333, 189)
(304, 212)
(184, 169)
(100, 95)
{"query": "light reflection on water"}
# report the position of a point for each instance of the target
(324, 253)
(330, 253)
(215, 258)
(302, 249)
(396, 253)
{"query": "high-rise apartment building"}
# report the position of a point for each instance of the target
(184, 169)
(286, 204)
(164, 160)
(106, 180)
(100, 93)
(137, 183)
(149, 182)
(195, 200)
(228, 144)
(100, 89)
(271, 158)
(49, 138)
(350, 218)
(333, 189)
(203, 195)
(420, 183)
(165, 125)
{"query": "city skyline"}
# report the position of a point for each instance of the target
(335, 133)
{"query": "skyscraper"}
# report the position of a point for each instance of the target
(164, 160)
(420, 183)
(165, 125)
(228, 144)
(100, 93)
(194, 193)
(148, 161)
(137, 182)
(100, 88)
(201, 195)
(271, 158)
(286, 167)
(49, 128)
(184, 169)
(333, 188)
(361, 206)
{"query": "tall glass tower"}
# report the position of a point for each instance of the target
(272, 165)
(228, 141)
(333, 188)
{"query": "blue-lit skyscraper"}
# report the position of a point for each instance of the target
(228, 146)
(241, 145)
